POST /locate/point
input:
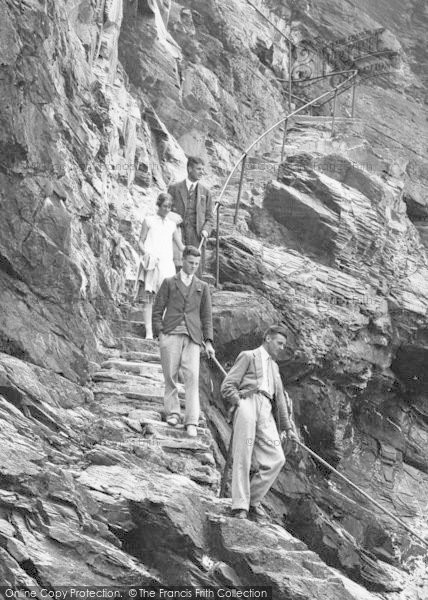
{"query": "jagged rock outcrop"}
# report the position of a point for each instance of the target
(354, 300)
(72, 142)
(108, 494)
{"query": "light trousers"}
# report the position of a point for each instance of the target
(257, 446)
(178, 351)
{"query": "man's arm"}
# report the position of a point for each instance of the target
(209, 217)
(232, 381)
(159, 307)
(289, 405)
(284, 411)
(206, 314)
(281, 406)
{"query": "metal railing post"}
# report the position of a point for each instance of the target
(283, 145)
(241, 181)
(344, 86)
(354, 93)
(333, 122)
(289, 75)
(217, 249)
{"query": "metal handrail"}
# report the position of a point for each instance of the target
(265, 133)
(243, 157)
(326, 76)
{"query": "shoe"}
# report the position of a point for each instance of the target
(149, 337)
(258, 514)
(173, 420)
(191, 430)
(239, 513)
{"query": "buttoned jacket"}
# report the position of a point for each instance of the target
(204, 205)
(174, 301)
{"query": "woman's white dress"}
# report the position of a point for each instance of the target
(158, 247)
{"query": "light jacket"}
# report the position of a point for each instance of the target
(245, 378)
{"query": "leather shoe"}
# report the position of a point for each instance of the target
(191, 430)
(258, 514)
(239, 513)
(173, 420)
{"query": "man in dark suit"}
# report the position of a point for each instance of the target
(193, 202)
(182, 319)
(253, 389)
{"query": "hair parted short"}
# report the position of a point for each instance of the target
(191, 251)
(194, 160)
(274, 330)
(163, 197)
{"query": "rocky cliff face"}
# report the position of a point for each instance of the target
(100, 101)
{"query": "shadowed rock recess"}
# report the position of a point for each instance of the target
(100, 101)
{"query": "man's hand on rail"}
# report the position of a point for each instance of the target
(290, 439)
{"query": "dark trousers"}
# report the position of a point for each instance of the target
(191, 238)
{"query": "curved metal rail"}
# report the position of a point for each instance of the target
(334, 92)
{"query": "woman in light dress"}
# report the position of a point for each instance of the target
(158, 233)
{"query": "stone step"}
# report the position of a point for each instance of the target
(122, 406)
(140, 356)
(150, 377)
(157, 433)
(132, 410)
(133, 367)
(126, 390)
(137, 410)
(137, 344)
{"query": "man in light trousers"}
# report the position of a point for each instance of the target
(253, 390)
(182, 319)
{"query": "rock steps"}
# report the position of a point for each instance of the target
(128, 392)
(130, 387)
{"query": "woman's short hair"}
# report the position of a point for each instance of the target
(163, 197)
(191, 251)
(274, 330)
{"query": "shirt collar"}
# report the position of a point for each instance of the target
(185, 278)
(265, 354)
(189, 183)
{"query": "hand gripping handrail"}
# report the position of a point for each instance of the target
(337, 90)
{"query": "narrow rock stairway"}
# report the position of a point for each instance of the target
(129, 386)
(158, 490)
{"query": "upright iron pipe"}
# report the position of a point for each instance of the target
(289, 74)
(333, 123)
(317, 101)
(354, 93)
(217, 249)
(283, 144)
(241, 181)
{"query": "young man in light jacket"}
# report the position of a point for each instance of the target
(253, 387)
